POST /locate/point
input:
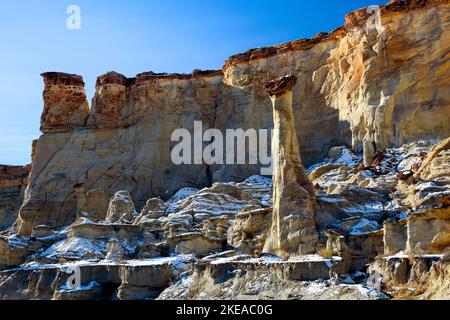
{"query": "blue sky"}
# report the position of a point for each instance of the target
(131, 37)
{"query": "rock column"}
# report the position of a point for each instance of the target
(293, 230)
(65, 110)
(65, 103)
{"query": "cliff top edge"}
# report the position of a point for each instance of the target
(352, 20)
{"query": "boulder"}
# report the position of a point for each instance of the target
(249, 230)
(121, 208)
(195, 243)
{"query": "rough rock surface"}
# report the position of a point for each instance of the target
(427, 196)
(110, 152)
(220, 233)
(266, 278)
(371, 110)
(249, 231)
(13, 182)
(358, 85)
(65, 103)
(293, 229)
(424, 277)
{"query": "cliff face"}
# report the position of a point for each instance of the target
(355, 85)
(391, 85)
(373, 89)
(13, 181)
(124, 142)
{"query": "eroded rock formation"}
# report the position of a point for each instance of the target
(293, 228)
(123, 143)
(13, 182)
(359, 86)
(372, 114)
(65, 103)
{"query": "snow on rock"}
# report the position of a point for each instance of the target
(410, 155)
(182, 194)
(346, 157)
(177, 263)
(428, 186)
(258, 180)
(369, 207)
(77, 248)
(371, 293)
(313, 258)
(88, 287)
(364, 226)
(129, 246)
(18, 241)
(173, 204)
(338, 156)
(408, 163)
(332, 199)
(272, 259)
(210, 203)
(316, 287)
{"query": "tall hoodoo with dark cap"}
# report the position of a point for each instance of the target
(293, 220)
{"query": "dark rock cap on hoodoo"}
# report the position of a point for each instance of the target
(61, 78)
(281, 85)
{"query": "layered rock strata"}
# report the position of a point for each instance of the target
(383, 201)
(359, 85)
(114, 149)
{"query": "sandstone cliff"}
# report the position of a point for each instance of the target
(13, 182)
(293, 228)
(357, 86)
(369, 118)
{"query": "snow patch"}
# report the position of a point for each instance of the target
(182, 194)
(87, 287)
(77, 248)
(364, 226)
(258, 180)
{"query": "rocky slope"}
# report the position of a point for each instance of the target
(209, 243)
(371, 113)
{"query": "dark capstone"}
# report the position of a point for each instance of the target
(281, 85)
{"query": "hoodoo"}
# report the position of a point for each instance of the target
(293, 225)
(359, 203)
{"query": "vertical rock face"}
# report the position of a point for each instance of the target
(92, 204)
(359, 86)
(391, 84)
(109, 103)
(65, 103)
(293, 218)
(124, 143)
(13, 181)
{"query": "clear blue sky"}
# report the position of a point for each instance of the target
(131, 37)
